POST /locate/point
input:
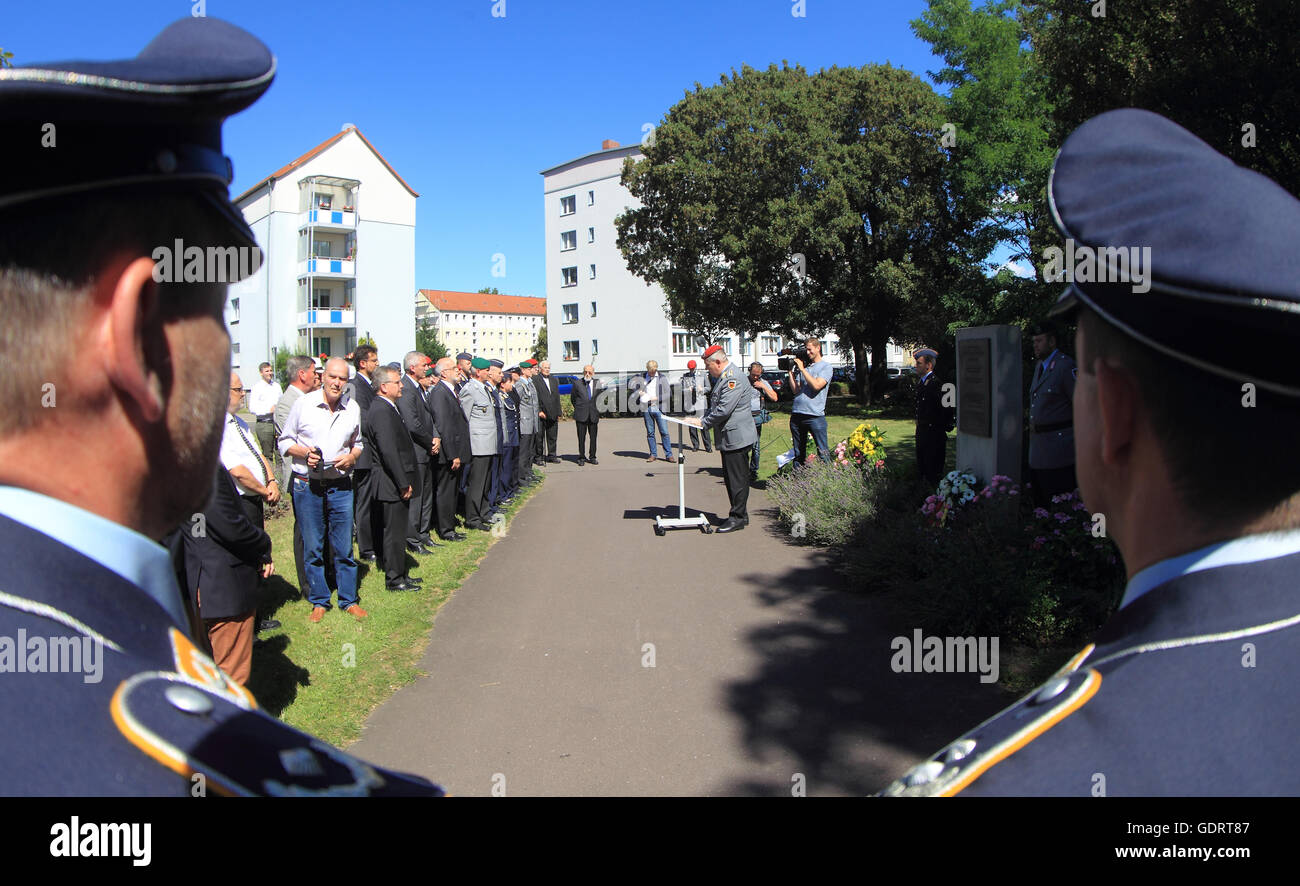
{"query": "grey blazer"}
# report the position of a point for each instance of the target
(527, 406)
(476, 403)
(729, 410)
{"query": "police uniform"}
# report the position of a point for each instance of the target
(933, 421)
(1189, 689)
(103, 687)
(1051, 425)
(729, 414)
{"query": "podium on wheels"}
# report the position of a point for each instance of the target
(681, 521)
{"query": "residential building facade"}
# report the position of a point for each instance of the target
(337, 229)
(598, 311)
(502, 327)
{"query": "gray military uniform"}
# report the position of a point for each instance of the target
(1050, 408)
(476, 403)
(729, 410)
(527, 406)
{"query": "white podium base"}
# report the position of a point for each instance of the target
(681, 521)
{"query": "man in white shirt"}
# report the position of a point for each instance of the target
(261, 402)
(323, 437)
(250, 469)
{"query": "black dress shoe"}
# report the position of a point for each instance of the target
(412, 579)
(267, 624)
(554, 459)
(402, 586)
(453, 536)
(478, 526)
(418, 549)
(367, 557)
(593, 461)
(731, 524)
(581, 462)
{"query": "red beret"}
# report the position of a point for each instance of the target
(713, 349)
(532, 362)
(690, 364)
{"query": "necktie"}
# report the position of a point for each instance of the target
(257, 456)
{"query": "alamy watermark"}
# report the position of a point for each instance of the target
(179, 263)
(1105, 264)
(52, 655)
(919, 654)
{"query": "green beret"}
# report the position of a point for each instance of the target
(525, 365)
(479, 363)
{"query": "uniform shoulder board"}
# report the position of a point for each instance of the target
(958, 765)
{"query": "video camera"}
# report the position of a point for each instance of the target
(785, 357)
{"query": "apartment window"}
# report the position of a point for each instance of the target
(595, 348)
(593, 309)
(571, 350)
(570, 276)
(726, 345)
(591, 198)
(234, 348)
(571, 313)
(321, 249)
(234, 310)
(593, 272)
(591, 235)
(320, 346)
(771, 344)
(323, 201)
(568, 240)
(320, 300)
(683, 343)
(568, 205)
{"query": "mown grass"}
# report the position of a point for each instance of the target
(326, 678)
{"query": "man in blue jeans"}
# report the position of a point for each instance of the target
(653, 396)
(324, 438)
(808, 412)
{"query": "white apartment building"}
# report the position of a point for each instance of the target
(504, 327)
(337, 229)
(598, 311)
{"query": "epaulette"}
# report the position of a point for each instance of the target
(955, 767)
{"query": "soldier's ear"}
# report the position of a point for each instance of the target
(130, 336)
(1118, 408)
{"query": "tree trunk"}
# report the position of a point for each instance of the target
(861, 388)
(879, 356)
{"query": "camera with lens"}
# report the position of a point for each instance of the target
(785, 357)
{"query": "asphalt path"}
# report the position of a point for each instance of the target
(587, 656)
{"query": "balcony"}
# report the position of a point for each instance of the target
(328, 219)
(327, 317)
(327, 267)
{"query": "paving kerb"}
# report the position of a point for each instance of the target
(766, 673)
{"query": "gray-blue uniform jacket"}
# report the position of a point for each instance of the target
(1051, 410)
(476, 403)
(729, 410)
(527, 405)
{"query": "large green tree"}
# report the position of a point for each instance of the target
(779, 200)
(426, 341)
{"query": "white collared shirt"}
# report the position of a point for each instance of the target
(263, 397)
(1247, 549)
(313, 424)
(140, 560)
(234, 451)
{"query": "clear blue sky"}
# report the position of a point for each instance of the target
(470, 108)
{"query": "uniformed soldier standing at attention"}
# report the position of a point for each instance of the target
(1051, 418)
(729, 413)
(1185, 446)
(933, 420)
(479, 412)
(106, 164)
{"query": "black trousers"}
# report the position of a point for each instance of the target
(1051, 481)
(735, 473)
(416, 528)
(585, 428)
(526, 457)
(392, 519)
(550, 430)
(445, 482)
(696, 433)
(931, 448)
(476, 491)
(363, 499)
(253, 506)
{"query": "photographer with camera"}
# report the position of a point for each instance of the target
(809, 377)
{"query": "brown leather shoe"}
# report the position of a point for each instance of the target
(651, 458)
(317, 613)
(356, 611)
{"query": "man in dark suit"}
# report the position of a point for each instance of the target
(425, 437)
(394, 464)
(548, 412)
(139, 164)
(222, 566)
(933, 420)
(454, 454)
(585, 415)
(361, 388)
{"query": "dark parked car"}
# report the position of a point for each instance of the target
(780, 383)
